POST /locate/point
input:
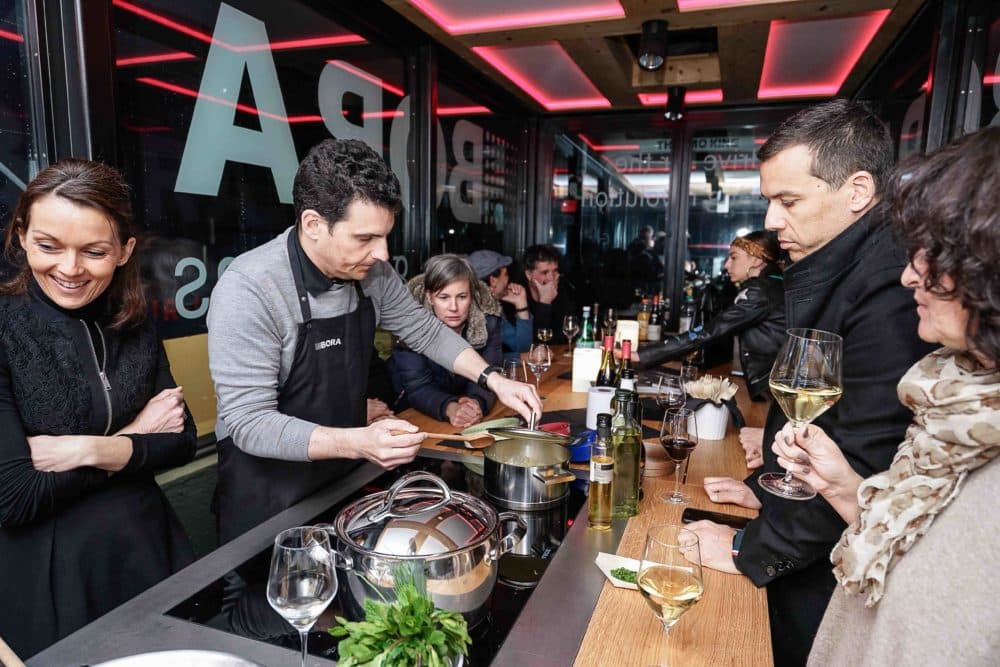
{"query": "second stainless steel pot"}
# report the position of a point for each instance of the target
(527, 471)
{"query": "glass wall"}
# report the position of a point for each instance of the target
(218, 103)
(610, 205)
(989, 91)
(479, 179)
(21, 154)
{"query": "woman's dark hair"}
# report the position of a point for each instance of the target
(946, 205)
(442, 270)
(336, 173)
(843, 137)
(90, 185)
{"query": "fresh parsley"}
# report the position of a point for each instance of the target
(403, 633)
(624, 574)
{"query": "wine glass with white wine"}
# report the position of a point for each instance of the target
(806, 382)
(669, 576)
(539, 360)
(302, 582)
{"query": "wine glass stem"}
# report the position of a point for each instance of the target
(677, 481)
(789, 478)
(304, 638)
(664, 660)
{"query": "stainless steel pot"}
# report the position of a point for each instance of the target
(447, 539)
(527, 471)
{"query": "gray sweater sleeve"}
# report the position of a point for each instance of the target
(400, 313)
(244, 356)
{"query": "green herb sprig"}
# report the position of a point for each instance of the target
(624, 574)
(404, 633)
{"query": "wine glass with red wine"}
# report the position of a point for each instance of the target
(679, 436)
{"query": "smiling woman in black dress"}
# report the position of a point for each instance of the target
(88, 412)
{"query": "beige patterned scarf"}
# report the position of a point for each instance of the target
(956, 429)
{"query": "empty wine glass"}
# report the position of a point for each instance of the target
(539, 360)
(570, 327)
(513, 369)
(544, 335)
(805, 381)
(670, 578)
(670, 392)
(302, 581)
(610, 322)
(688, 373)
(679, 437)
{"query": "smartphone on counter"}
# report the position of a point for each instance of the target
(691, 514)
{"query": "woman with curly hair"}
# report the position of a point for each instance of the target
(917, 562)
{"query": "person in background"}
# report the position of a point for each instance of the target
(547, 300)
(823, 172)
(450, 290)
(291, 328)
(645, 267)
(757, 316)
(917, 562)
(88, 410)
(516, 325)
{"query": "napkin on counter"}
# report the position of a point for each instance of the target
(608, 562)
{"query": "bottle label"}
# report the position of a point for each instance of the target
(684, 324)
(602, 473)
(654, 333)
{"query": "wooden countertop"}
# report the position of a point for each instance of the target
(729, 626)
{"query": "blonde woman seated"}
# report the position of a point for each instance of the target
(917, 563)
(449, 288)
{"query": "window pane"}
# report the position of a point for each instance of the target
(219, 102)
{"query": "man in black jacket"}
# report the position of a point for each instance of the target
(547, 297)
(823, 171)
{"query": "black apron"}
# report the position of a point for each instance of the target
(326, 385)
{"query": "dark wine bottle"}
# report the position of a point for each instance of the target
(626, 362)
(607, 370)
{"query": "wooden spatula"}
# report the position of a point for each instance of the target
(485, 439)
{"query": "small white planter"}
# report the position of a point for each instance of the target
(711, 421)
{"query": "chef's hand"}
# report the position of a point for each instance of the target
(377, 410)
(518, 396)
(729, 490)
(377, 443)
(164, 413)
(716, 545)
(815, 458)
(752, 440)
(464, 412)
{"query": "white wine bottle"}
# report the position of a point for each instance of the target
(602, 468)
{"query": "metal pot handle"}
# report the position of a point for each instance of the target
(386, 509)
(339, 558)
(553, 475)
(510, 540)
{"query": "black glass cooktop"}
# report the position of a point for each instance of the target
(238, 604)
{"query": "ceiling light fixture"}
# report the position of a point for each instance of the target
(653, 45)
(675, 103)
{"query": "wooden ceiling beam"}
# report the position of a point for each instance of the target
(741, 59)
(701, 70)
(607, 64)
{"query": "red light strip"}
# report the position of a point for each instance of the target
(862, 35)
(988, 80)
(463, 111)
(361, 74)
(188, 92)
(12, 36)
(608, 147)
(695, 5)
(707, 96)
(493, 56)
(155, 58)
(346, 38)
(455, 26)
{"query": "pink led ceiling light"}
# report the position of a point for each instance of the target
(459, 17)
(812, 58)
(706, 96)
(546, 73)
(696, 5)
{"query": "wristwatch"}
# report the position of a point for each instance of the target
(484, 376)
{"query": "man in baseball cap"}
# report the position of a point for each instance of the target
(517, 326)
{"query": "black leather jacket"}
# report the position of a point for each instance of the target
(758, 316)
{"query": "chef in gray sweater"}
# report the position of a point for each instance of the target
(290, 332)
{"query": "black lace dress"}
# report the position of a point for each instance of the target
(74, 545)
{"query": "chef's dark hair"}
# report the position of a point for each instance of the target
(338, 172)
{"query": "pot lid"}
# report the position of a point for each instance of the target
(410, 521)
(516, 433)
